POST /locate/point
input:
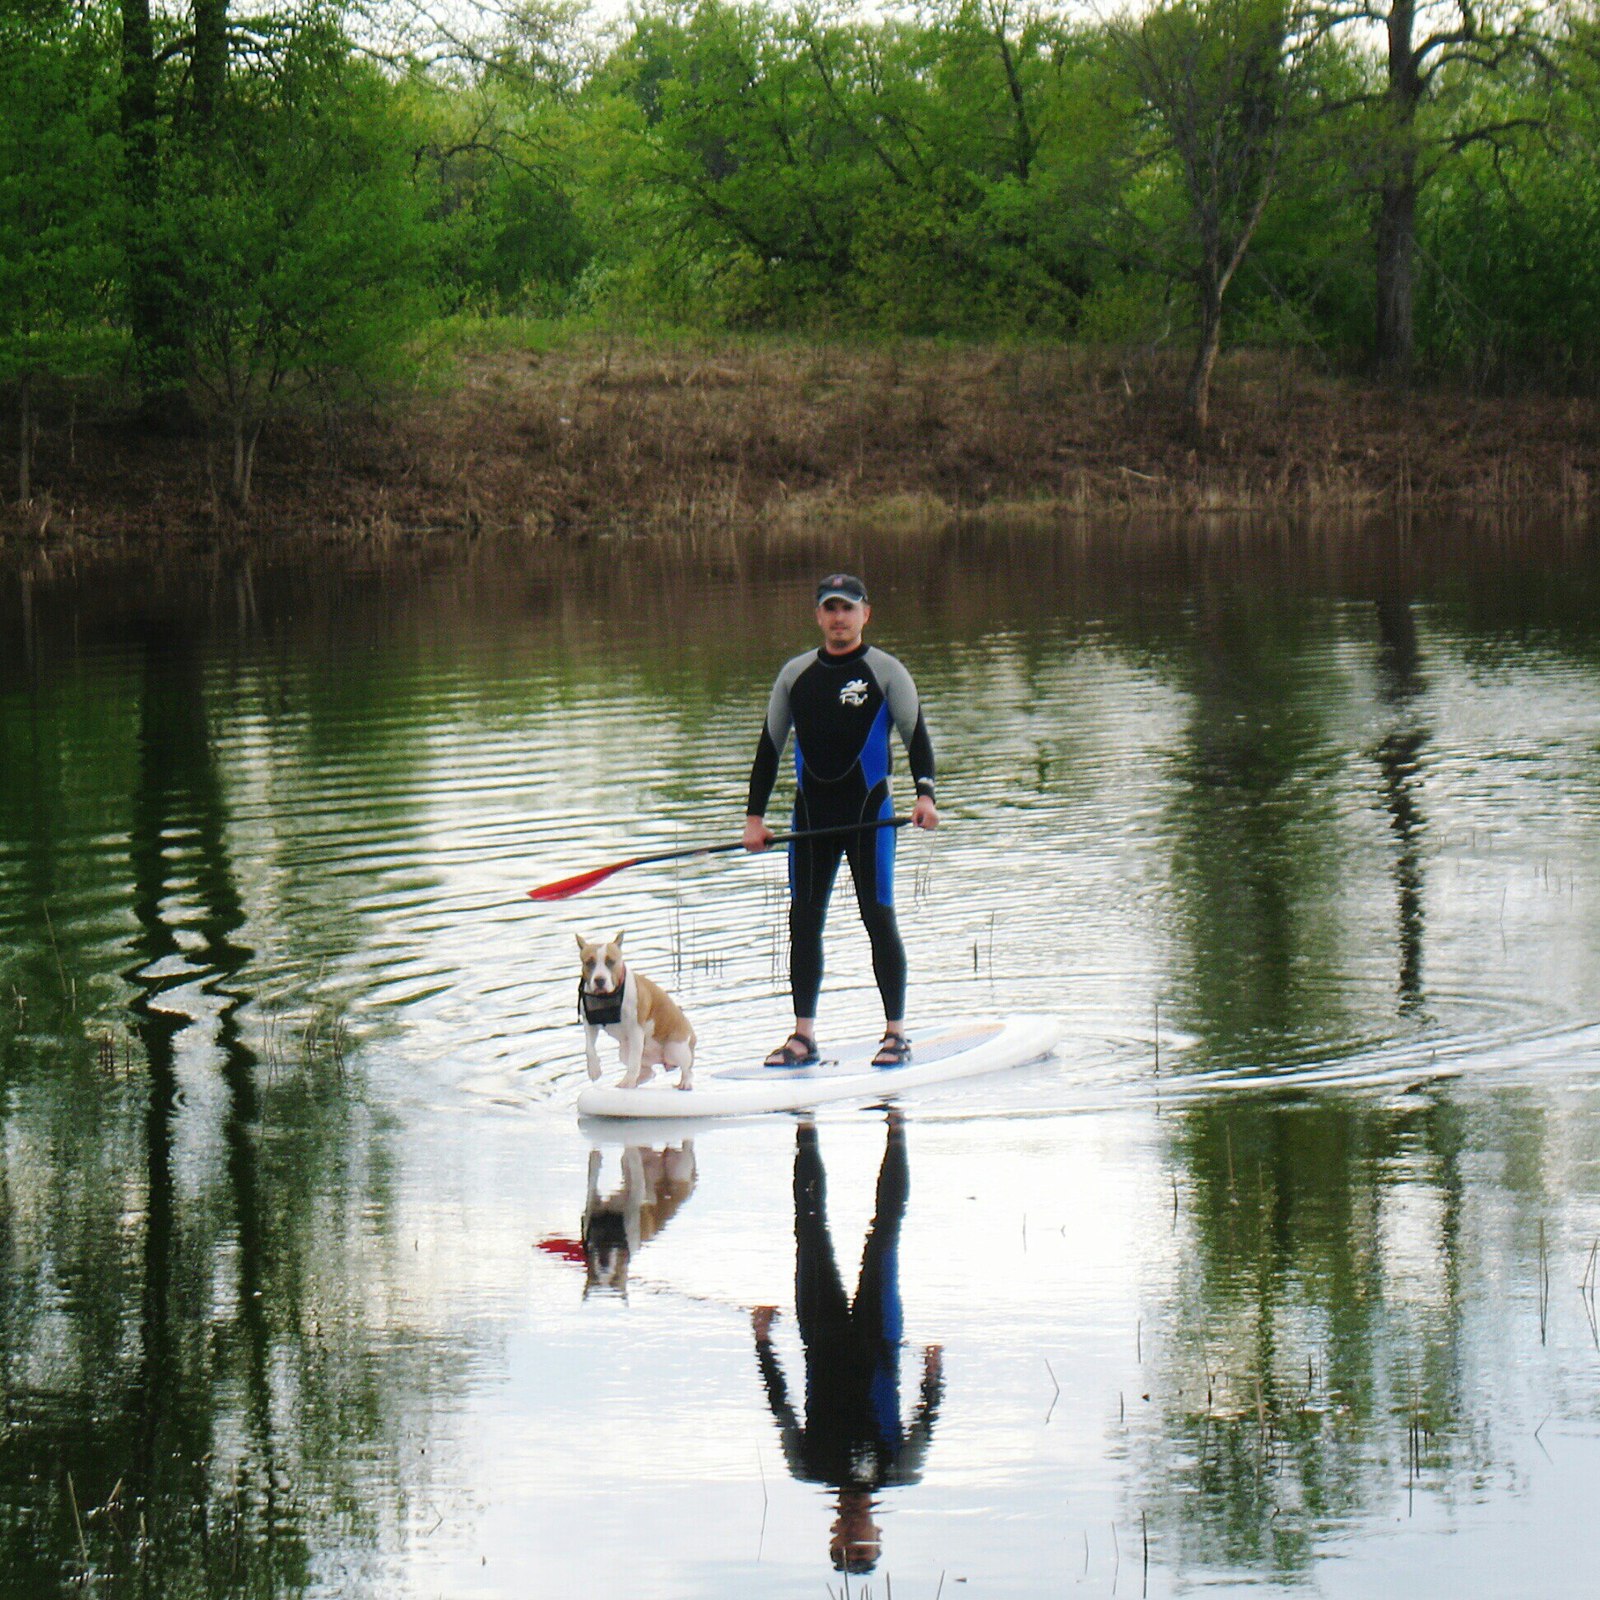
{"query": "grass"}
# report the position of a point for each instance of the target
(561, 429)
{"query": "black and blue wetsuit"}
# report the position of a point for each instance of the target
(851, 1435)
(842, 709)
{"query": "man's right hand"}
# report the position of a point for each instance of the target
(757, 835)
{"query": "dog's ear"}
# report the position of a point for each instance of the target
(583, 944)
(618, 941)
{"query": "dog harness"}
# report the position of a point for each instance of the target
(601, 1010)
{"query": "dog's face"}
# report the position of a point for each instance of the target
(605, 1254)
(602, 964)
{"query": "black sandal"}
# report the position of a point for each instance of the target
(894, 1050)
(795, 1051)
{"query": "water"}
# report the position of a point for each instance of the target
(1280, 1279)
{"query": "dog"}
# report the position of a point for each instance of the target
(616, 1226)
(648, 1026)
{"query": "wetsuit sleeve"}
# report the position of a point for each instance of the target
(774, 735)
(913, 1452)
(790, 1432)
(905, 706)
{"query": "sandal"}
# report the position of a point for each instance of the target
(795, 1051)
(894, 1050)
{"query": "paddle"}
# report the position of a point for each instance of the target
(565, 888)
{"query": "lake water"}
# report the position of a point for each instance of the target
(1280, 1278)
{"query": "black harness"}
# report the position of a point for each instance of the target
(601, 1010)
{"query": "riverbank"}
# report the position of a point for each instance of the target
(599, 435)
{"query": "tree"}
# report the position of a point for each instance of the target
(306, 253)
(175, 84)
(1508, 232)
(56, 259)
(1434, 53)
(1213, 86)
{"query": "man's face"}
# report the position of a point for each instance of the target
(841, 622)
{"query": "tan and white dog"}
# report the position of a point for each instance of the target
(649, 1028)
(618, 1225)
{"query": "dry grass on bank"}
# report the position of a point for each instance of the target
(605, 436)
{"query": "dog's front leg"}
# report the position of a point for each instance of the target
(632, 1055)
(590, 1051)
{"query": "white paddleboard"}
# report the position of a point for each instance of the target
(939, 1055)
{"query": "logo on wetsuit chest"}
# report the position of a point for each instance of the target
(854, 693)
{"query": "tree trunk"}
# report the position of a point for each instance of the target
(245, 435)
(146, 303)
(153, 309)
(1023, 143)
(1197, 393)
(138, 102)
(1397, 210)
(1397, 244)
(210, 60)
(25, 441)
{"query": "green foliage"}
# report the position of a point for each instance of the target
(981, 169)
(58, 256)
(298, 242)
(971, 167)
(1511, 280)
(499, 158)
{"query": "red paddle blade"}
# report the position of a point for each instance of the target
(567, 1249)
(565, 888)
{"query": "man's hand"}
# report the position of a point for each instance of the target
(757, 835)
(924, 814)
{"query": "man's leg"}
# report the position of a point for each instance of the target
(872, 867)
(821, 1306)
(877, 1316)
(813, 866)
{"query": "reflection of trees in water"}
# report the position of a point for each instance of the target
(1262, 858)
(1255, 853)
(186, 1356)
(1309, 1366)
(187, 906)
(1400, 685)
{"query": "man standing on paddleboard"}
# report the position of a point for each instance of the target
(841, 701)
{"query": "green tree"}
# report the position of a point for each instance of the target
(752, 163)
(305, 248)
(1428, 109)
(1512, 283)
(1213, 87)
(56, 261)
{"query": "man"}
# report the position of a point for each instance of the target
(841, 701)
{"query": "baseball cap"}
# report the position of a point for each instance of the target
(841, 586)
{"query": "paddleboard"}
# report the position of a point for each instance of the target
(939, 1055)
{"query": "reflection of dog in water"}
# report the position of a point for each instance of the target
(615, 1226)
(851, 1437)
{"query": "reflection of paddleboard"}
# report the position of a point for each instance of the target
(940, 1055)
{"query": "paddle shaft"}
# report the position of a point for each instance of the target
(566, 888)
(777, 838)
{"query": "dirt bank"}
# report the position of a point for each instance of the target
(606, 436)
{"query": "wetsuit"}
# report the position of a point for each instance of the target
(851, 1435)
(841, 709)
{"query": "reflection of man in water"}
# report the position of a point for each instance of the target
(851, 1437)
